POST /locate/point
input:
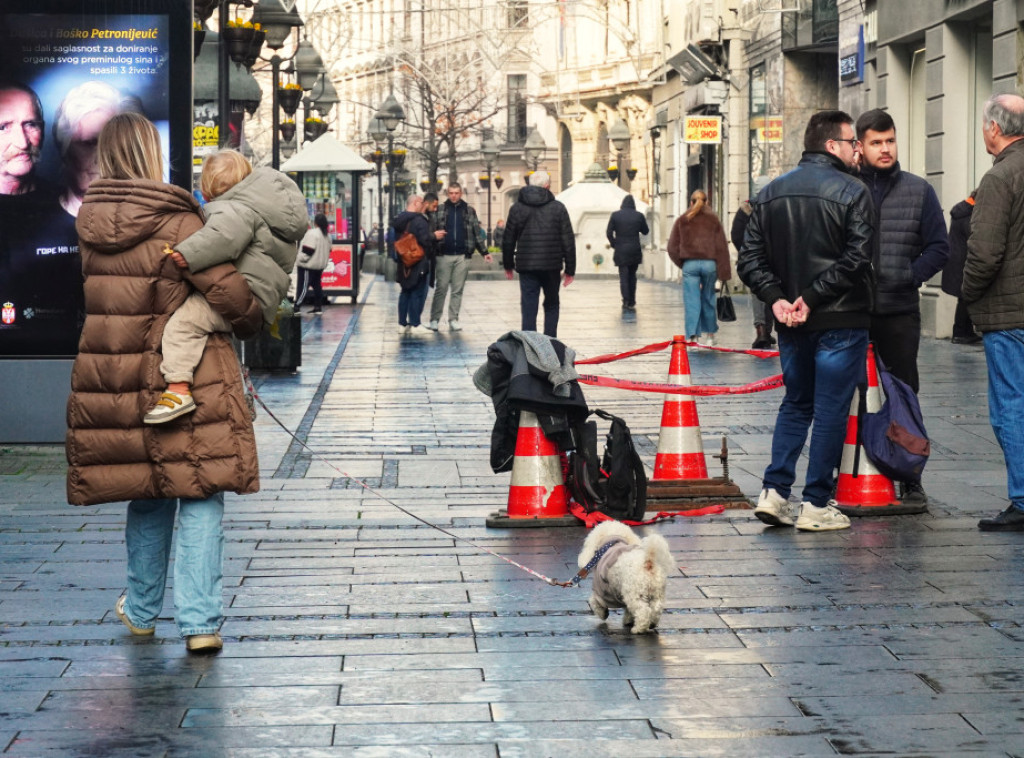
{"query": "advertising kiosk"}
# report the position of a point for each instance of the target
(331, 175)
(67, 66)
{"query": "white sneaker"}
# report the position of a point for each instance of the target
(433, 326)
(454, 326)
(708, 339)
(774, 510)
(827, 519)
(403, 329)
(419, 330)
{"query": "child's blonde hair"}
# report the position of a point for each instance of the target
(222, 171)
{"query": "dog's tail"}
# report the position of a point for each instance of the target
(657, 554)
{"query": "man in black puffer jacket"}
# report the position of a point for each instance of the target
(911, 247)
(538, 240)
(807, 254)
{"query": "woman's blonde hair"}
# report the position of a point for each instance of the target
(222, 171)
(697, 202)
(129, 148)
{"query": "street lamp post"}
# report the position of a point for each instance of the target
(619, 136)
(390, 115)
(534, 148)
(378, 133)
(489, 150)
(278, 24)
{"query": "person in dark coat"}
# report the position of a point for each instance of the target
(625, 227)
(953, 272)
(764, 322)
(414, 279)
(538, 240)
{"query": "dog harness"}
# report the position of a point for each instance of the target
(585, 571)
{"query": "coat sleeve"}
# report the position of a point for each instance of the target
(478, 235)
(753, 265)
(722, 262)
(228, 293)
(609, 232)
(990, 230)
(229, 229)
(568, 241)
(644, 229)
(935, 251)
(513, 228)
(675, 241)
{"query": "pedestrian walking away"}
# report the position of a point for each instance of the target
(414, 279)
(462, 237)
(697, 245)
(993, 288)
(132, 288)
(538, 243)
(953, 272)
(807, 253)
(625, 227)
(314, 254)
(764, 322)
(253, 219)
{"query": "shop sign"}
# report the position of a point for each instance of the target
(705, 130)
(768, 128)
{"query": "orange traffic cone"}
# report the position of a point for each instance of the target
(537, 495)
(868, 492)
(680, 450)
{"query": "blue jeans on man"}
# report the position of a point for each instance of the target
(411, 302)
(821, 370)
(198, 562)
(1004, 354)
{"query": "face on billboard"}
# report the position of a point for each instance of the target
(21, 137)
(66, 67)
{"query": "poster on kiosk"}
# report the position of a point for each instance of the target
(67, 66)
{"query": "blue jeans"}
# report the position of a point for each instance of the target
(530, 285)
(1004, 353)
(411, 302)
(198, 562)
(699, 296)
(821, 371)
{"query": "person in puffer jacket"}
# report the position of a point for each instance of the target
(538, 241)
(253, 218)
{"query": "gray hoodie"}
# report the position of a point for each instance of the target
(255, 225)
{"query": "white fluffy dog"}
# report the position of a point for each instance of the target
(631, 574)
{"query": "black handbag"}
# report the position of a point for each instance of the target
(726, 310)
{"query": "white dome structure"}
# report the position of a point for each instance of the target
(591, 202)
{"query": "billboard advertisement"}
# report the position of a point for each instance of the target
(338, 274)
(63, 74)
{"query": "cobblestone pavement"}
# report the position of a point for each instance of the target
(352, 630)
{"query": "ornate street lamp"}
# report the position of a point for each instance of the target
(309, 68)
(390, 115)
(534, 148)
(619, 136)
(490, 151)
(378, 133)
(278, 23)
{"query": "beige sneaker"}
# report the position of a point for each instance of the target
(827, 519)
(774, 510)
(138, 631)
(204, 643)
(170, 406)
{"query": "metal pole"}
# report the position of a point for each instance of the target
(223, 72)
(490, 181)
(391, 178)
(622, 170)
(275, 150)
(380, 206)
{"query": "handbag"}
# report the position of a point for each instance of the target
(726, 310)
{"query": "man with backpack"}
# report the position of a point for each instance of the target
(413, 278)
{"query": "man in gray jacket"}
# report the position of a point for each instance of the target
(993, 289)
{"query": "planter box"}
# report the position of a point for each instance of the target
(265, 352)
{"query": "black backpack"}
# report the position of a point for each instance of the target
(616, 483)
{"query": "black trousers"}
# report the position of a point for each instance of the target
(309, 277)
(896, 341)
(531, 283)
(962, 324)
(627, 283)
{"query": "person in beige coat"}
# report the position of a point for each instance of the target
(131, 289)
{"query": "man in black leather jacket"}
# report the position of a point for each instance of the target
(807, 254)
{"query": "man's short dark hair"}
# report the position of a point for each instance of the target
(823, 126)
(454, 185)
(430, 197)
(875, 120)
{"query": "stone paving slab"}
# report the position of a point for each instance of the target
(354, 630)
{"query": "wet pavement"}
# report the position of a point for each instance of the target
(353, 630)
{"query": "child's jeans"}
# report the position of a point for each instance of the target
(185, 337)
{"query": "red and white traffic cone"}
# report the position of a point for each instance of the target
(866, 492)
(537, 495)
(680, 449)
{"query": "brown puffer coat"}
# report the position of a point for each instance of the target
(131, 289)
(700, 238)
